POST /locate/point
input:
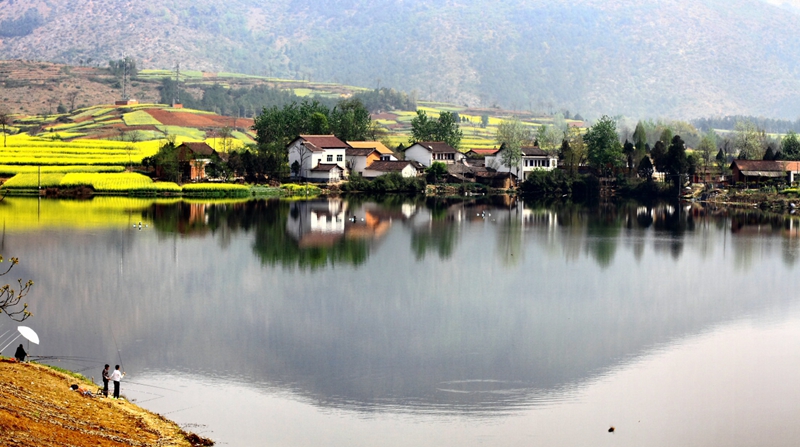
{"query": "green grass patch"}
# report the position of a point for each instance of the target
(140, 118)
(295, 189)
(187, 132)
(215, 190)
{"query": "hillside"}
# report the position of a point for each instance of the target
(673, 58)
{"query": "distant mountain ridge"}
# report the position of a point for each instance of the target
(672, 58)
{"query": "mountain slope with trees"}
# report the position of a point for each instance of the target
(673, 58)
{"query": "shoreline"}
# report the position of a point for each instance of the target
(38, 408)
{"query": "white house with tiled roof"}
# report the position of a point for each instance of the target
(427, 152)
(318, 158)
(533, 159)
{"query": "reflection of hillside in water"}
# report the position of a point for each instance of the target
(522, 301)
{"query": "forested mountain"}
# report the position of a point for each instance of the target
(671, 58)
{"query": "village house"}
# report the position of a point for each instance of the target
(193, 157)
(760, 171)
(358, 159)
(406, 168)
(533, 159)
(427, 152)
(386, 154)
(318, 158)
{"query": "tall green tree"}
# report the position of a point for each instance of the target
(511, 135)
(677, 163)
(790, 146)
(604, 150)
(448, 130)
(422, 128)
(722, 160)
(707, 146)
(645, 168)
(350, 120)
(747, 141)
(640, 137)
(629, 149)
(573, 151)
(443, 129)
(659, 156)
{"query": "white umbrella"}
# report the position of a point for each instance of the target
(29, 334)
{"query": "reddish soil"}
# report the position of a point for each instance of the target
(384, 116)
(188, 119)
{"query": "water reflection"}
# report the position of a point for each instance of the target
(428, 305)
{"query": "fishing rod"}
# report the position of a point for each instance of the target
(65, 357)
(119, 353)
(151, 386)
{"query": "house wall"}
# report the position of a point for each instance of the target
(408, 171)
(360, 163)
(312, 159)
(332, 176)
(419, 154)
(527, 164)
(425, 157)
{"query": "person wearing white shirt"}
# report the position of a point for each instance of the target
(116, 376)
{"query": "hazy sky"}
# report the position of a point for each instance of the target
(795, 3)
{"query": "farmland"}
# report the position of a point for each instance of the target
(99, 146)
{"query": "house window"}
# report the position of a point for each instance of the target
(330, 158)
(338, 158)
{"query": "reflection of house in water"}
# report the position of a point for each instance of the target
(755, 223)
(317, 223)
(323, 223)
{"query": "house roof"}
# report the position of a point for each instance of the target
(491, 174)
(389, 166)
(436, 146)
(321, 142)
(533, 151)
(484, 151)
(198, 147)
(377, 145)
(758, 166)
(359, 152)
(322, 167)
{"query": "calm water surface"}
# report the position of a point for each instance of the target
(424, 323)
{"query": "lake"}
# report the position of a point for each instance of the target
(424, 322)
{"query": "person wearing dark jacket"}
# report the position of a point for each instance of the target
(20, 354)
(106, 378)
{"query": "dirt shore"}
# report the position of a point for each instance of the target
(38, 408)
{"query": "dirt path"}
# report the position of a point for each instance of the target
(38, 408)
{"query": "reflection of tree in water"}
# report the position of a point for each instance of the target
(509, 237)
(671, 219)
(440, 233)
(603, 235)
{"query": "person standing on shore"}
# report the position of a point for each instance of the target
(20, 354)
(116, 376)
(106, 378)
